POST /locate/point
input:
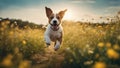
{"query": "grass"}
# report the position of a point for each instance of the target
(85, 45)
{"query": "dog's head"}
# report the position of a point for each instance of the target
(54, 19)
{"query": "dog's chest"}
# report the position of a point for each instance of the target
(55, 35)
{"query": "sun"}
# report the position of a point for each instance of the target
(68, 15)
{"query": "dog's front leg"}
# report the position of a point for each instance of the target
(47, 40)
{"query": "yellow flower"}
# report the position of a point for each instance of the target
(12, 25)
(7, 22)
(24, 42)
(16, 50)
(116, 47)
(101, 44)
(3, 23)
(108, 44)
(7, 61)
(112, 54)
(20, 35)
(24, 64)
(99, 65)
(118, 37)
(11, 32)
(2, 29)
(25, 27)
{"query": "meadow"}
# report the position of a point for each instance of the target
(85, 45)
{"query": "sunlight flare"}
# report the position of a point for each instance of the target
(68, 15)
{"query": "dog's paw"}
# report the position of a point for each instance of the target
(56, 49)
(48, 41)
(48, 44)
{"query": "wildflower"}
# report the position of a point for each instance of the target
(16, 50)
(112, 28)
(7, 22)
(116, 47)
(25, 27)
(68, 48)
(90, 52)
(99, 65)
(88, 62)
(35, 26)
(7, 61)
(101, 44)
(99, 26)
(24, 42)
(108, 44)
(112, 54)
(3, 23)
(20, 35)
(11, 32)
(24, 64)
(118, 37)
(2, 29)
(12, 25)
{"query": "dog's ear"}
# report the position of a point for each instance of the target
(48, 11)
(61, 13)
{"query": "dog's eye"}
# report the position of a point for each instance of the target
(51, 17)
(58, 17)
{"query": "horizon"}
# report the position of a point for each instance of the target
(77, 10)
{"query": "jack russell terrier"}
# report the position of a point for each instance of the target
(54, 30)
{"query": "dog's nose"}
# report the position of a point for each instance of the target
(54, 22)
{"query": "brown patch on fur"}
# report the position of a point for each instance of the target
(61, 13)
(58, 17)
(51, 17)
(48, 12)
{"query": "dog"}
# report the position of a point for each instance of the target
(54, 30)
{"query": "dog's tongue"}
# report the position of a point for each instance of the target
(55, 27)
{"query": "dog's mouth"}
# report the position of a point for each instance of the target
(55, 27)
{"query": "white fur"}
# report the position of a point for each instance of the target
(54, 29)
(57, 46)
(54, 34)
(55, 18)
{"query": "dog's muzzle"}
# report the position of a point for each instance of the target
(54, 27)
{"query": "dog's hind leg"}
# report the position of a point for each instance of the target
(57, 44)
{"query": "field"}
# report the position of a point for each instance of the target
(85, 45)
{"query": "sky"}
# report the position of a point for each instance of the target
(77, 10)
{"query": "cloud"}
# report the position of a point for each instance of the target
(83, 1)
(112, 10)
